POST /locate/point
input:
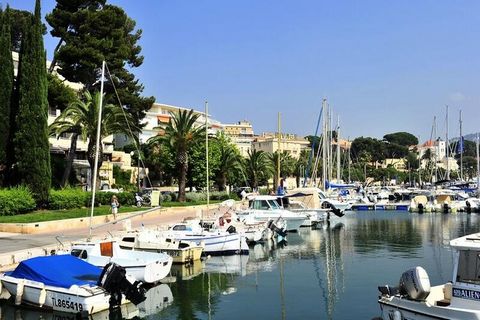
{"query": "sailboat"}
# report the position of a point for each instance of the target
(143, 266)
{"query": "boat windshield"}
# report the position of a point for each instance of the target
(273, 204)
(468, 267)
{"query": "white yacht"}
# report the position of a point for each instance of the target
(456, 300)
(266, 208)
(214, 242)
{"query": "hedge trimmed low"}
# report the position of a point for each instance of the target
(68, 198)
(16, 201)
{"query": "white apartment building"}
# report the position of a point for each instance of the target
(241, 134)
(159, 115)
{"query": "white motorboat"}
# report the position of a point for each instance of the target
(214, 242)
(266, 208)
(144, 266)
(153, 241)
(456, 300)
(67, 284)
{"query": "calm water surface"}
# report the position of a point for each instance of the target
(328, 273)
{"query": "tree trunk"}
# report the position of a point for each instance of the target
(70, 157)
(54, 60)
(91, 160)
(222, 181)
(182, 160)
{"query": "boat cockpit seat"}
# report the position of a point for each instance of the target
(440, 295)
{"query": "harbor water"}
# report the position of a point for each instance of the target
(331, 272)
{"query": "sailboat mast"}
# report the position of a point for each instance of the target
(338, 149)
(324, 145)
(278, 151)
(206, 155)
(349, 159)
(461, 148)
(437, 147)
(447, 147)
(478, 166)
(97, 145)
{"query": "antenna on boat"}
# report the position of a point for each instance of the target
(97, 145)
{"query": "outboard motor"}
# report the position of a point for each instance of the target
(415, 284)
(113, 279)
(468, 207)
(280, 231)
(445, 207)
(420, 208)
(231, 229)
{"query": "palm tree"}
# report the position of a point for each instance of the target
(81, 118)
(229, 160)
(287, 165)
(257, 167)
(181, 133)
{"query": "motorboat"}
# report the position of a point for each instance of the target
(144, 266)
(215, 242)
(266, 208)
(68, 284)
(455, 300)
(153, 241)
(227, 220)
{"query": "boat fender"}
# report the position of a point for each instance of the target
(42, 297)
(397, 315)
(19, 294)
(415, 284)
(420, 208)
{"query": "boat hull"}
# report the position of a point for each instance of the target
(218, 244)
(400, 308)
(73, 300)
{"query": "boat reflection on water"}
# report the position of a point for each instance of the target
(235, 264)
(157, 299)
(187, 271)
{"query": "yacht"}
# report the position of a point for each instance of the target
(266, 208)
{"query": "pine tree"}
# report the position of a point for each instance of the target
(32, 152)
(6, 89)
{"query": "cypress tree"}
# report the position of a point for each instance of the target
(6, 89)
(32, 152)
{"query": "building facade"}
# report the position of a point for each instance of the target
(242, 135)
(291, 143)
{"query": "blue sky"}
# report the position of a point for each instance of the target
(384, 66)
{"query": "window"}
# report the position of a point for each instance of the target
(261, 205)
(180, 227)
(469, 267)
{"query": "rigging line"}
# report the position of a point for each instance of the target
(137, 147)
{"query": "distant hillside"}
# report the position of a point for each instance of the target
(470, 137)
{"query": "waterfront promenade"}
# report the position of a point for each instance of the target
(41, 239)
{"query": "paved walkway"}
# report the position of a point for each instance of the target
(22, 245)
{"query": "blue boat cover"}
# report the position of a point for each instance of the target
(59, 271)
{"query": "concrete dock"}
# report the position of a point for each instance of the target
(22, 241)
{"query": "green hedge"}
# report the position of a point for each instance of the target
(104, 198)
(15, 201)
(68, 198)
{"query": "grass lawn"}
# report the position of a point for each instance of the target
(50, 215)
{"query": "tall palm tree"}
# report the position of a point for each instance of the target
(287, 165)
(81, 118)
(229, 160)
(181, 133)
(257, 167)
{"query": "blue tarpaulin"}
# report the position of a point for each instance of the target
(59, 271)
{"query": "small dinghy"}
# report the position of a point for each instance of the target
(67, 284)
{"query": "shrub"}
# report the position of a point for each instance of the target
(15, 201)
(167, 197)
(195, 196)
(104, 198)
(221, 195)
(68, 198)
